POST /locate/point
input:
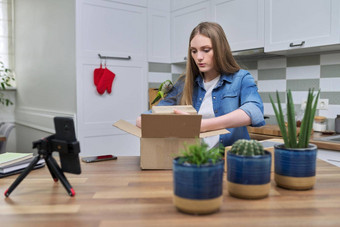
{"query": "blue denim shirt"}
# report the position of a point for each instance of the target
(232, 91)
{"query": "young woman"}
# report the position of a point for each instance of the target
(214, 84)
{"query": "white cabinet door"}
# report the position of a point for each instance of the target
(97, 113)
(182, 23)
(180, 4)
(113, 29)
(293, 25)
(116, 30)
(143, 3)
(242, 21)
(164, 5)
(159, 36)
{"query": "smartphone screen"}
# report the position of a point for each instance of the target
(98, 158)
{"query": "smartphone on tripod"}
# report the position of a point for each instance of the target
(64, 142)
(64, 131)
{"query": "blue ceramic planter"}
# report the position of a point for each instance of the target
(249, 176)
(198, 189)
(295, 167)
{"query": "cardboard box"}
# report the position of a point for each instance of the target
(268, 146)
(163, 136)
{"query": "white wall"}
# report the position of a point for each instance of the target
(44, 64)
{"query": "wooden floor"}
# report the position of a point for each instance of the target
(118, 193)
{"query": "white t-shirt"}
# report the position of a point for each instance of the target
(207, 110)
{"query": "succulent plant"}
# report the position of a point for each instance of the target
(199, 154)
(247, 148)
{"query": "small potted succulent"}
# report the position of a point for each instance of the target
(248, 170)
(295, 160)
(198, 179)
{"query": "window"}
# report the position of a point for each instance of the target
(6, 31)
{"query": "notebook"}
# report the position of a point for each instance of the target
(10, 158)
(20, 165)
(38, 166)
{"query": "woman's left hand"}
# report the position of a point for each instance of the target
(139, 122)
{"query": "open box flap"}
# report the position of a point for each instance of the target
(170, 125)
(128, 127)
(162, 127)
(170, 109)
(214, 133)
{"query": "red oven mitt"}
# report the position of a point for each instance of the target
(97, 75)
(105, 82)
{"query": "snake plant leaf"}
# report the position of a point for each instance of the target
(291, 120)
(279, 118)
(308, 118)
(311, 119)
(305, 123)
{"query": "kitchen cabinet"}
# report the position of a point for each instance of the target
(116, 30)
(164, 5)
(182, 23)
(296, 25)
(143, 3)
(111, 29)
(159, 36)
(242, 21)
(180, 4)
(159, 31)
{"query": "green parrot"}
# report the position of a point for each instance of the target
(164, 88)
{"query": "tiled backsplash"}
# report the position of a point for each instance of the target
(320, 71)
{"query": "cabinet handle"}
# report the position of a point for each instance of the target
(115, 58)
(185, 58)
(297, 45)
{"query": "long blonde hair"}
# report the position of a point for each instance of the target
(223, 58)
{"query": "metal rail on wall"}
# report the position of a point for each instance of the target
(115, 58)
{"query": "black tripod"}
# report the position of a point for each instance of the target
(45, 148)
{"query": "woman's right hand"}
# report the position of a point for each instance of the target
(139, 122)
(180, 112)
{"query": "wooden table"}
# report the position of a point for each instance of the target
(118, 193)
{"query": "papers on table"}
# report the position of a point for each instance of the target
(9, 158)
(12, 163)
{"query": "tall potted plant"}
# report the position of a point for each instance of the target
(295, 160)
(198, 179)
(248, 170)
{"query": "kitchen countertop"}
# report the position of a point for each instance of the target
(273, 132)
(118, 193)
